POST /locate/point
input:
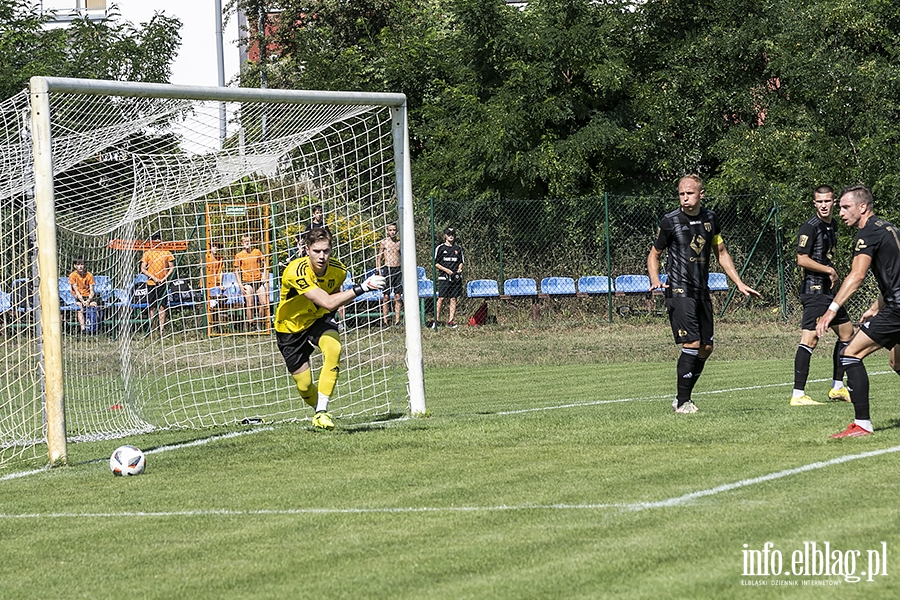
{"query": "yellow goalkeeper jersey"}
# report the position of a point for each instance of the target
(295, 312)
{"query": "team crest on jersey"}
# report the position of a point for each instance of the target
(697, 243)
(707, 226)
(803, 240)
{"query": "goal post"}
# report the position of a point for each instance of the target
(114, 162)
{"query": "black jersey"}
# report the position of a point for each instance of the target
(449, 257)
(817, 239)
(881, 241)
(689, 241)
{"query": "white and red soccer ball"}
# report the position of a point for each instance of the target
(127, 460)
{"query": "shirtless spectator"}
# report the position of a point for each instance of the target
(388, 263)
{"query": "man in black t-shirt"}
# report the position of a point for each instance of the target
(876, 247)
(448, 259)
(816, 242)
(689, 234)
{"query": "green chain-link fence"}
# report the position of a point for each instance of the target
(611, 236)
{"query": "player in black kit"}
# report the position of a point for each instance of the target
(689, 234)
(448, 259)
(876, 247)
(816, 242)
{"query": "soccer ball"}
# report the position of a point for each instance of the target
(127, 460)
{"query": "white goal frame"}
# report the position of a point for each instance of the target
(46, 232)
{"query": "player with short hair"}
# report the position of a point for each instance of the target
(448, 259)
(876, 247)
(81, 281)
(157, 264)
(387, 261)
(816, 242)
(304, 319)
(690, 234)
(252, 275)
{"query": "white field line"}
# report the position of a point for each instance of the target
(633, 507)
(637, 506)
(663, 396)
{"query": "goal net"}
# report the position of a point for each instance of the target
(197, 179)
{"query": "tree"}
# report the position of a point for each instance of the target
(102, 49)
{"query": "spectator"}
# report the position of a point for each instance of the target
(253, 278)
(82, 283)
(157, 264)
(387, 261)
(212, 281)
(317, 222)
(448, 259)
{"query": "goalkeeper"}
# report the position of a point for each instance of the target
(304, 319)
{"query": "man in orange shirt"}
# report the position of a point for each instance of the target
(253, 277)
(212, 281)
(157, 264)
(82, 282)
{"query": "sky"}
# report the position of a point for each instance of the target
(196, 61)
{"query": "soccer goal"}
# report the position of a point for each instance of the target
(112, 173)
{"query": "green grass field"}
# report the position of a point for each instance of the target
(562, 473)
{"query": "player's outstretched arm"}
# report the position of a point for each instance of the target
(727, 265)
(330, 302)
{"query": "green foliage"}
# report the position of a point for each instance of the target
(569, 98)
(103, 49)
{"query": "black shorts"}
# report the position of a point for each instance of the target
(296, 348)
(393, 280)
(157, 295)
(884, 328)
(450, 288)
(691, 319)
(814, 306)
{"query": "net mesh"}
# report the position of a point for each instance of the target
(128, 167)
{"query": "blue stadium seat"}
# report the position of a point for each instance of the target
(103, 287)
(67, 300)
(5, 302)
(233, 294)
(420, 273)
(119, 297)
(594, 284)
(632, 284)
(558, 286)
(718, 282)
(520, 286)
(482, 288)
(426, 288)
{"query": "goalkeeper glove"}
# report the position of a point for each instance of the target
(375, 282)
